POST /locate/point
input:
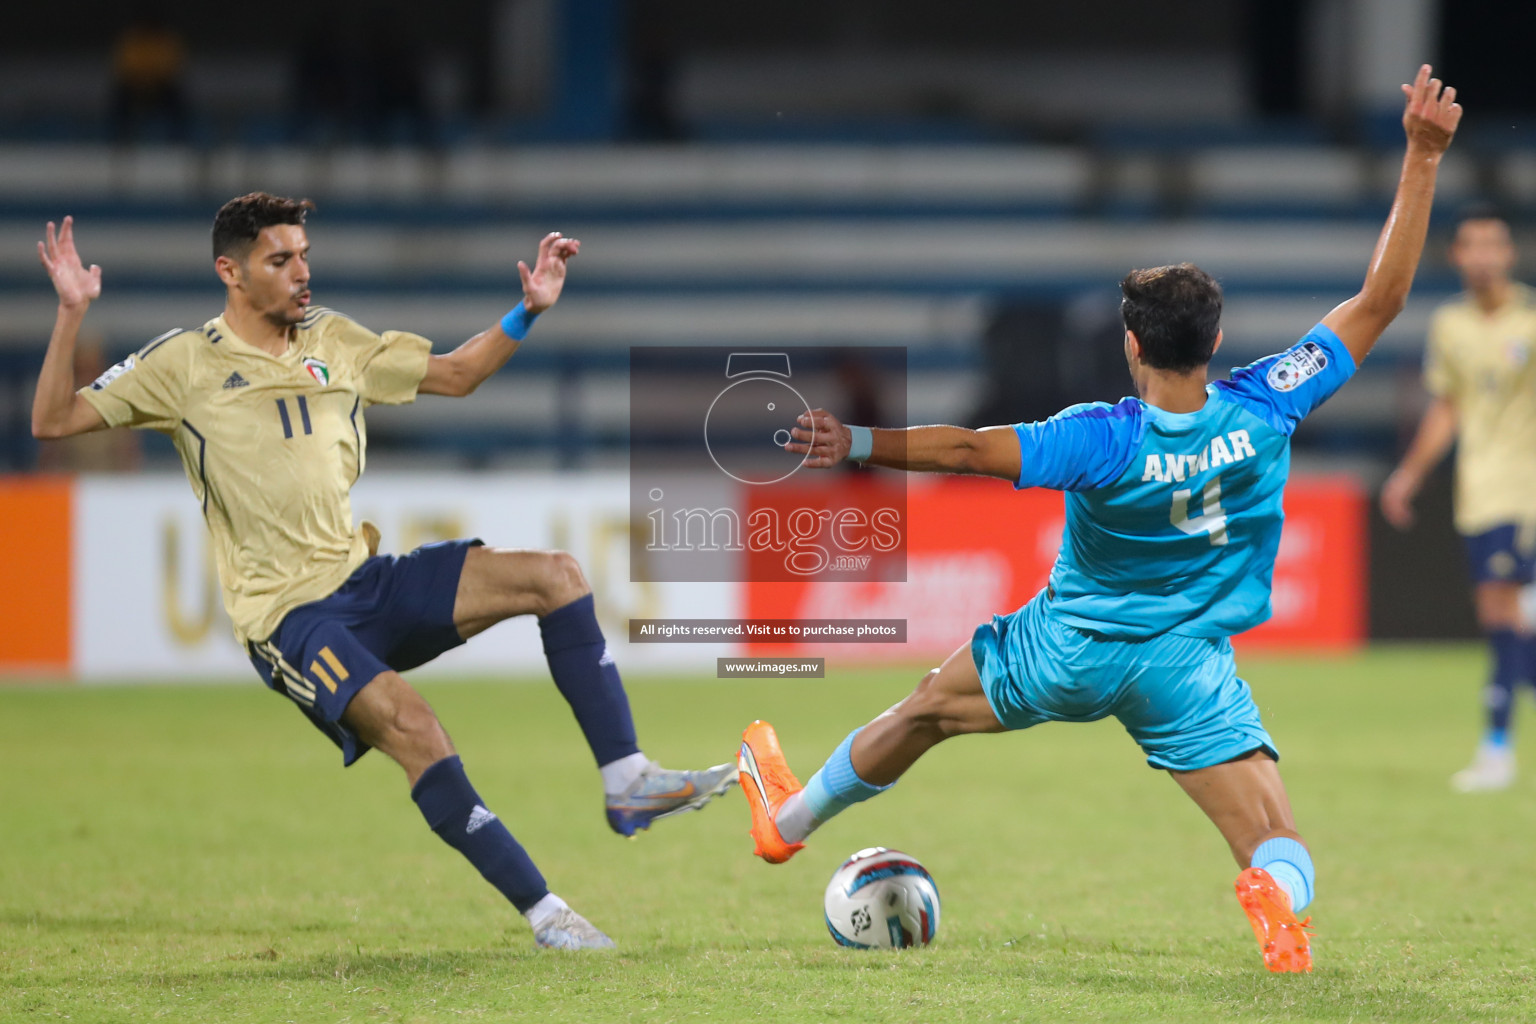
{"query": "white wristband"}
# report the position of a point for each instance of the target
(862, 445)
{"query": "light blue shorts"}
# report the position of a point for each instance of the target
(1178, 696)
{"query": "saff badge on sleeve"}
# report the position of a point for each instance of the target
(1296, 365)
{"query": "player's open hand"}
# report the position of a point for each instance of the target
(76, 285)
(542, 285)
(1431, 115)
(820, 438)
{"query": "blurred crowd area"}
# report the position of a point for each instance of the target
(1095, 72)
(969, 183)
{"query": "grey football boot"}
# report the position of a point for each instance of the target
(660, 793)
(569, 930)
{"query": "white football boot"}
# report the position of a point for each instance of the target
(1493, 767)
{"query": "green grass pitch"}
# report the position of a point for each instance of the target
(198, 854)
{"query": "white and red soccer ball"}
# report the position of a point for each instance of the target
(882, 899)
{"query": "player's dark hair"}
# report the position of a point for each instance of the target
(1175, 311)
(239, 222)
(1478, 211)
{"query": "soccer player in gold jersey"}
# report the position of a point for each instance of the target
(1481, 378)
(266, 406)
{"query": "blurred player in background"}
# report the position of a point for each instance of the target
(1173, 520)
(1481, 378)
(265, 405)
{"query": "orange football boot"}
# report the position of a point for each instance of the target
(1284, 940)
(767, 782)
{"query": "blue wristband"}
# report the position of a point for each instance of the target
(516, 323)
(863, 443)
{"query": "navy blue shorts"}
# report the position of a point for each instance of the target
(394, 612)
(1504, 554)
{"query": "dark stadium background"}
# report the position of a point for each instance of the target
(737, 170)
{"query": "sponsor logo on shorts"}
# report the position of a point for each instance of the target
(1502, 564)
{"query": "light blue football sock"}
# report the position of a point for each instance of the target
(836, 786)
(1290, 865)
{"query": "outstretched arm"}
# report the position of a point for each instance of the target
(459, 372)
(1430, 118)
(57, 411)
(991, 451)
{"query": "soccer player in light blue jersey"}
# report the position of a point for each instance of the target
(1174, 514)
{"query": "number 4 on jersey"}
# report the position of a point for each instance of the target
(1211, 520)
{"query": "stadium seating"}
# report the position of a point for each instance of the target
(721, 244)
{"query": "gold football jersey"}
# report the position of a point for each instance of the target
(1483, 364)
(271, 445)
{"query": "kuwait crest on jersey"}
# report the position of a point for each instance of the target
(317, 369)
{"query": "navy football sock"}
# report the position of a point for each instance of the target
(1528, 652)
(1509, 668)
(588, 680)
(456, 813)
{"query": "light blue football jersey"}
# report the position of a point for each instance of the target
(1173, 519)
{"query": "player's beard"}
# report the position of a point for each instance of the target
(290, 312)
(285, 317)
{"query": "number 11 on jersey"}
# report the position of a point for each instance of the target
(282, 411)
(1211, 520)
